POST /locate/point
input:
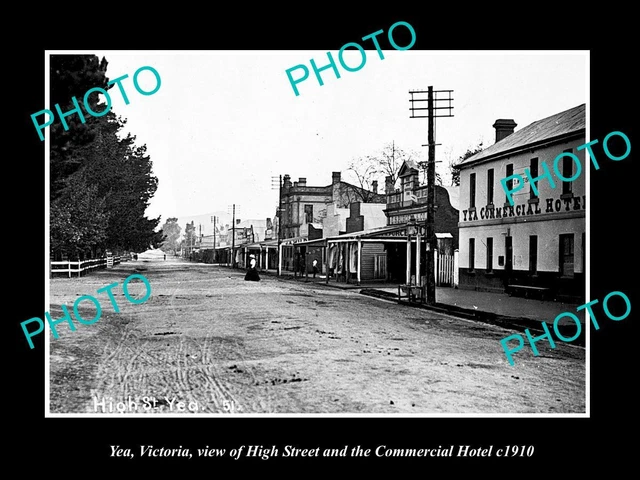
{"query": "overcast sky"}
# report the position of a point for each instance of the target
(224, 122)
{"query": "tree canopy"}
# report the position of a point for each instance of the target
(381, 164)
(101, 182)
(190, 238)
(454, 166)
(171, 230)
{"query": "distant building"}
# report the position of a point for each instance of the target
(371, 244)
(365, 216)
(251, 231)
(245, 238)
(302, 204)
(540, 240)
(410, 200)
(305, 210)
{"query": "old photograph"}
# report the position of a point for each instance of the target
(375, 231)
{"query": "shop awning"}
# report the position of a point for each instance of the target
(388, 233)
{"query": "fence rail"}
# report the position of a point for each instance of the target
(445, 269)
(80, 266)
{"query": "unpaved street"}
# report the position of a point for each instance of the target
(219, 344)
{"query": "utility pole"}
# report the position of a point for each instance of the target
(279, 216)
(213, 256)
(214, 232)
(431, 176)
(233, 238)
(233, 232)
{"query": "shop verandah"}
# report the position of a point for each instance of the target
(380, 255)
(266, 254)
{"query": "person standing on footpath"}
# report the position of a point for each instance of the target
(252, 273)
(315, 267)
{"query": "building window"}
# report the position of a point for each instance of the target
(566, 255)
(533, 170)
(567, 172)
(490, 186)
(489, 255)
(472, 190)
(533, 254)
(308, 214)
(510, 181)
(472, 254)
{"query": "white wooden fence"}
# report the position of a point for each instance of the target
(446, 269)
(85, 265)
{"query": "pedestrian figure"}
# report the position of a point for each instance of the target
(303, 265)
(315, 267)
(165, 256)
(252, 273)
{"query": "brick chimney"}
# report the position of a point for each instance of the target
(302, 182)
(335, 178)
(388, 184)
(374, 186)
(504, 127)
(286, 181)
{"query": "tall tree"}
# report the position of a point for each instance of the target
(171, 230)
(391, 158)
(78, 220)
(189, 235)
(365, 172)
(379, 165)
(96, 153)
(124, 175)
(72, 76)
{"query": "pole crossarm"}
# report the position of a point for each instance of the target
(432, 99)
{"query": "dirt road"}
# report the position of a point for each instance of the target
(206, 341)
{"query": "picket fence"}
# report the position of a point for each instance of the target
(446, 269)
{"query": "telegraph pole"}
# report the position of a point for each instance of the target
(431, 200)
(233, 236)
(431, 176)
(273, 179)
(213, 219)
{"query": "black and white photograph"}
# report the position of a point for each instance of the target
(306, 239)
(286, 242)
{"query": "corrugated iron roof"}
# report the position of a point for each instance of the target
(563, 123)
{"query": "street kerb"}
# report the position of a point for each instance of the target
(505, 321)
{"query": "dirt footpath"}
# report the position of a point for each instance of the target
(206, 341)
